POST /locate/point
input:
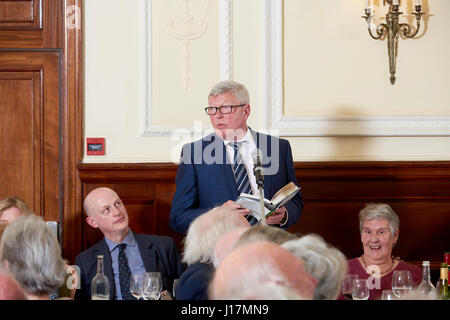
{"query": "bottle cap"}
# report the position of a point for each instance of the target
(426, 263)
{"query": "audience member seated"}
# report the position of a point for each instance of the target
(268, 291)
(323, 261)
(10, 289)
(255, 265)
(12, 208)
(265, 233)
(379, 228)
(32, 254)
(199, 244)
(226, 243)
(143, 253)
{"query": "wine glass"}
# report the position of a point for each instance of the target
(401, 283)
(347, 285)
(174, 286)
(137, 285)
(387, 295)
(360, 289)
(152, 286)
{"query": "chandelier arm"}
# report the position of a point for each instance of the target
(382, 27)
(406, 29)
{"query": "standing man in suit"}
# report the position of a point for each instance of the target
(206, 174)
(144, 253)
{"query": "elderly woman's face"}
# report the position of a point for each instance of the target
(377, 239)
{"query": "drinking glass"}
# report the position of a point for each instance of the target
(387, 295)
(152, 286)
(360, 289)
(401, 283)
(137, 285)
(175, 282)
(347, 285)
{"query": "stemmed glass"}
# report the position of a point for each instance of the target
(174, 286)
(387, 295)
(360, 289)
(347, 285)
(401, 283)
(152, 286)
(137, 285)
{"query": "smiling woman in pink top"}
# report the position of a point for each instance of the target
(379, 228)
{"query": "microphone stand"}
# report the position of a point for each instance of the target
(259, 175)
(261, 202)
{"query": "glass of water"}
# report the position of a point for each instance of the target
(152, 286)
(401, 283)
(360, 289)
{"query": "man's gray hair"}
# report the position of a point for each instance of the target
(33, 255)
(206, 230)
(376, 211)
(324, 262)
(238, 89)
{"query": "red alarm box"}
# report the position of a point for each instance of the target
(95, 146)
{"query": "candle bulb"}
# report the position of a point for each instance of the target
(395, 2)
(367, 4)
(418, 2)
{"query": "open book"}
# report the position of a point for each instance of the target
(280, 198)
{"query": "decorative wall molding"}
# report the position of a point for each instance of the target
(273, 103)
(145, 95)
(186, 29)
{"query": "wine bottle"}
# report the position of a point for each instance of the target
(426, 287)
(443, 282)
(100, 283)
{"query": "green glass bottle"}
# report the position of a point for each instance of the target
(443, 282)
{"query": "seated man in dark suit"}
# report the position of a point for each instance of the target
(144, 253)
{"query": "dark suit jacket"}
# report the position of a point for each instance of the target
(193, 283)
(158, 253)
(205, 178)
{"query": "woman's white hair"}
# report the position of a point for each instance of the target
(33, 255)
(324, 262)
(376, 211)
(204, 232)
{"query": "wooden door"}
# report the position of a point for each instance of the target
(29, 130)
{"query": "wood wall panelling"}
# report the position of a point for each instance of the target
(31, 23)
(333, 194)
(23, 13)
(29, 86)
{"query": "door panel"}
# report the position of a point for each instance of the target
(29, 130)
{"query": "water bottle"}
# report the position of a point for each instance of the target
(426, 287)
(100, 283)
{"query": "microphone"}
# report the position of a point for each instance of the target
(258, 168)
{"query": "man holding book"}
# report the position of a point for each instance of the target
(215, 170)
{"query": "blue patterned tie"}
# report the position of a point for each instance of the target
(241, 176)
(124, 274)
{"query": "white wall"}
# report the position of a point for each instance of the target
(333, 99)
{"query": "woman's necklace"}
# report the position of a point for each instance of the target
(382, 273)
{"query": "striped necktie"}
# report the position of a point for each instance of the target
(241, 176)
(240, 171)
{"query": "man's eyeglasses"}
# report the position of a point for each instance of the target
(223, 109)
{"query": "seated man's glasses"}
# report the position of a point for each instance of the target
(223, 109)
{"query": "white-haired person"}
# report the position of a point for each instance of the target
(30, 251)
(198, 253)
(379, 229)
(249, 270)
(323, 261)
